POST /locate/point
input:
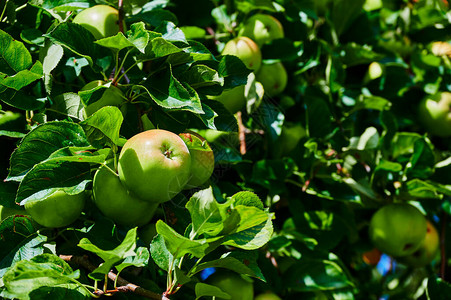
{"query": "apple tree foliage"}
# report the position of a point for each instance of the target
(293, 216)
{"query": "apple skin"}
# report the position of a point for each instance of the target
(57, 210)
(267, 296)
(262, 29)
(111, 97)
(101, 20)
(273, 77)
(290, 136)
(246, 50)
(233, 284)
(398, 229)
(202, 159)
(234, 99)
(155, 165)
(428, 249)
(7, 211)
(435, 114)
(118, 203)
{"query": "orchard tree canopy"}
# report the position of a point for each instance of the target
(236, 149)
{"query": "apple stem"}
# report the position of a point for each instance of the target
(241, 133)
(442, 245)
(124, 287)
(121, 15)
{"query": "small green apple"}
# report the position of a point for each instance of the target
(118, 203)
(262, 29)
(57, 210)
(267, 296)
(7, 211)
(435, 114)
(290, 136)
(155, 165)
(246, 50)
(101, 20)
(237, 286)
(273, 77)
(111, 97)
(428, 249)
(202, 159)
(398, 229)
(234, 99)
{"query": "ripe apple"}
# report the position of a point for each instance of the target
(57, 210)
(290, 136)
(246, 50)
(111, 97)
(155, 165)
(101, 20)
(7, 211)
(262, 29)
(273, 77)
(435, 114)
(237, 286)
(267, 296)
(398, 229)
(428, 249)
(118, 203)
(202, 159)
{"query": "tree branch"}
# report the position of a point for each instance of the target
(123, 285)
(241, 133)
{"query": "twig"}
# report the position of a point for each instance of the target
(241, 133)
(121, 16)
(442, 245)
(124, 285)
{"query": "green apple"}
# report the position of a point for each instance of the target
(202, 159)
(262, 29)
(290, 136)
(398, 229)
(267, 296)
(111, 97)
(101, 20)
(118, 203)
(234, 99)
(57, 210)
(155, 165)
(7, 211)
(273, 77)
(435, 114)
(237, 286)
(246, 50)
(428, 249)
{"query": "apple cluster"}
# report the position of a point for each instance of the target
(153, 167)
(402, 231)
(271, 78)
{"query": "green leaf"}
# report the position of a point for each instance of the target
(198, 76)
(247, 198)
(179, 245)
(171, 32)
(77, 39)
(139, 260)
(207, 214)
(22, 78)
(437, 289)
(207, 290)
(68, 104)
(315, 274)
(422, 161)
(111, 257)
(227, 262)
(160, 253)
(116, 42)
(138, 36)
(28, 279)
(102, 128)
(170, 93)
(14, 53)
(41, 142)
(344, 12)
(49, 176)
